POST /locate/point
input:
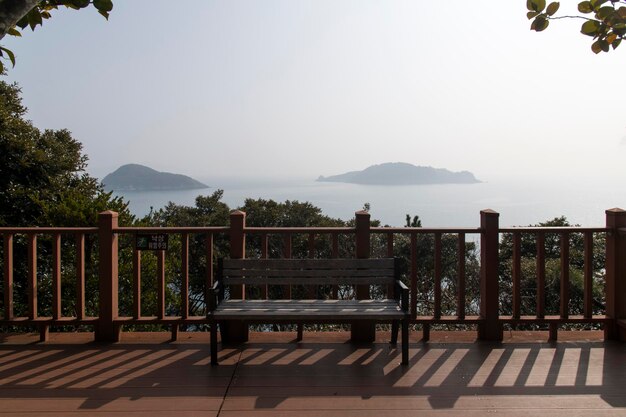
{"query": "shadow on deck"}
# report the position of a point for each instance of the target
(323, 375)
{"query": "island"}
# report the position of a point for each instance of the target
(135, 177)
(401, 173)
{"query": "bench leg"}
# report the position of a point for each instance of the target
(214, 343)
(405, 342)
(300, 330)
(394, 332)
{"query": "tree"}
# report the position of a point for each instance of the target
(21, 14)
(606, 24)
(43, 183)
(42, 174)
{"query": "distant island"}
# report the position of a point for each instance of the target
(135, 177)
(400, 173)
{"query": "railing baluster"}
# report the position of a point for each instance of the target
(564, 275)
(437, 307)
(541, 275)
(311, 290)
(184, 295)
(461, 278)
(413, 275)
(390, 244)
(287, 254)
(588, 275)
(209, 263)
(517, 273)
(8, 276)
(160, 283)
(136, 283)
(390, 287)
(311, 245)
(264, 255)
(32, 276)
(335, 254)
(56, 276)
(80, 275)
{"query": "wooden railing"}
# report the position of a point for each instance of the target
(361, 241)
(30, 236)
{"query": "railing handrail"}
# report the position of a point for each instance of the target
(306, 229)
(47, 230)
(553, 229)
(270, 230)
(425, 230)
(173, 230)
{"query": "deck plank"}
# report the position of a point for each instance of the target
(452, 375)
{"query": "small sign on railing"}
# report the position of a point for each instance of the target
(152, 241)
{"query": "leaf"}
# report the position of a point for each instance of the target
(14, 32)
(103, 5)
(590, 27)
(597, 3)
(530, 15)
(552, 8)
(78, 4)
(585, 7)
(611, 38)
(596, 48)
(622, 12)
(539, 24)
(620, 29)
(616, 43)
(604, 45)
(9, 54)
(34, 18)
(105, 14)
(538, 5)
(605, 12)
(22, 23)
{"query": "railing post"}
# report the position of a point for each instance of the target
(615, 274)
(490, 327)
(106, 330)
(233, 331)
(363, 331)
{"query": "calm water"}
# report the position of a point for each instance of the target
(519, 202)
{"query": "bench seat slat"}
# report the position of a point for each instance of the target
(311, 310)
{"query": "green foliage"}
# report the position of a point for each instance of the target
(607, 26)
(42, 11)
(528, 280)
(415, 222)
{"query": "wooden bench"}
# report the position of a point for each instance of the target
(308, 272)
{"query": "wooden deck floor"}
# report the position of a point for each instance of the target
(453, 375)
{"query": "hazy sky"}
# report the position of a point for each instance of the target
(308, 88)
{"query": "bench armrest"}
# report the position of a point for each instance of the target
(214, 295)
(402, 295)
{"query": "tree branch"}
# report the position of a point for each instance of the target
(569, 17)
(13, 10)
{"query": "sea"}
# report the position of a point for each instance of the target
(520, 201)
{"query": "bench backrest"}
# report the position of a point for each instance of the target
(307, 271)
